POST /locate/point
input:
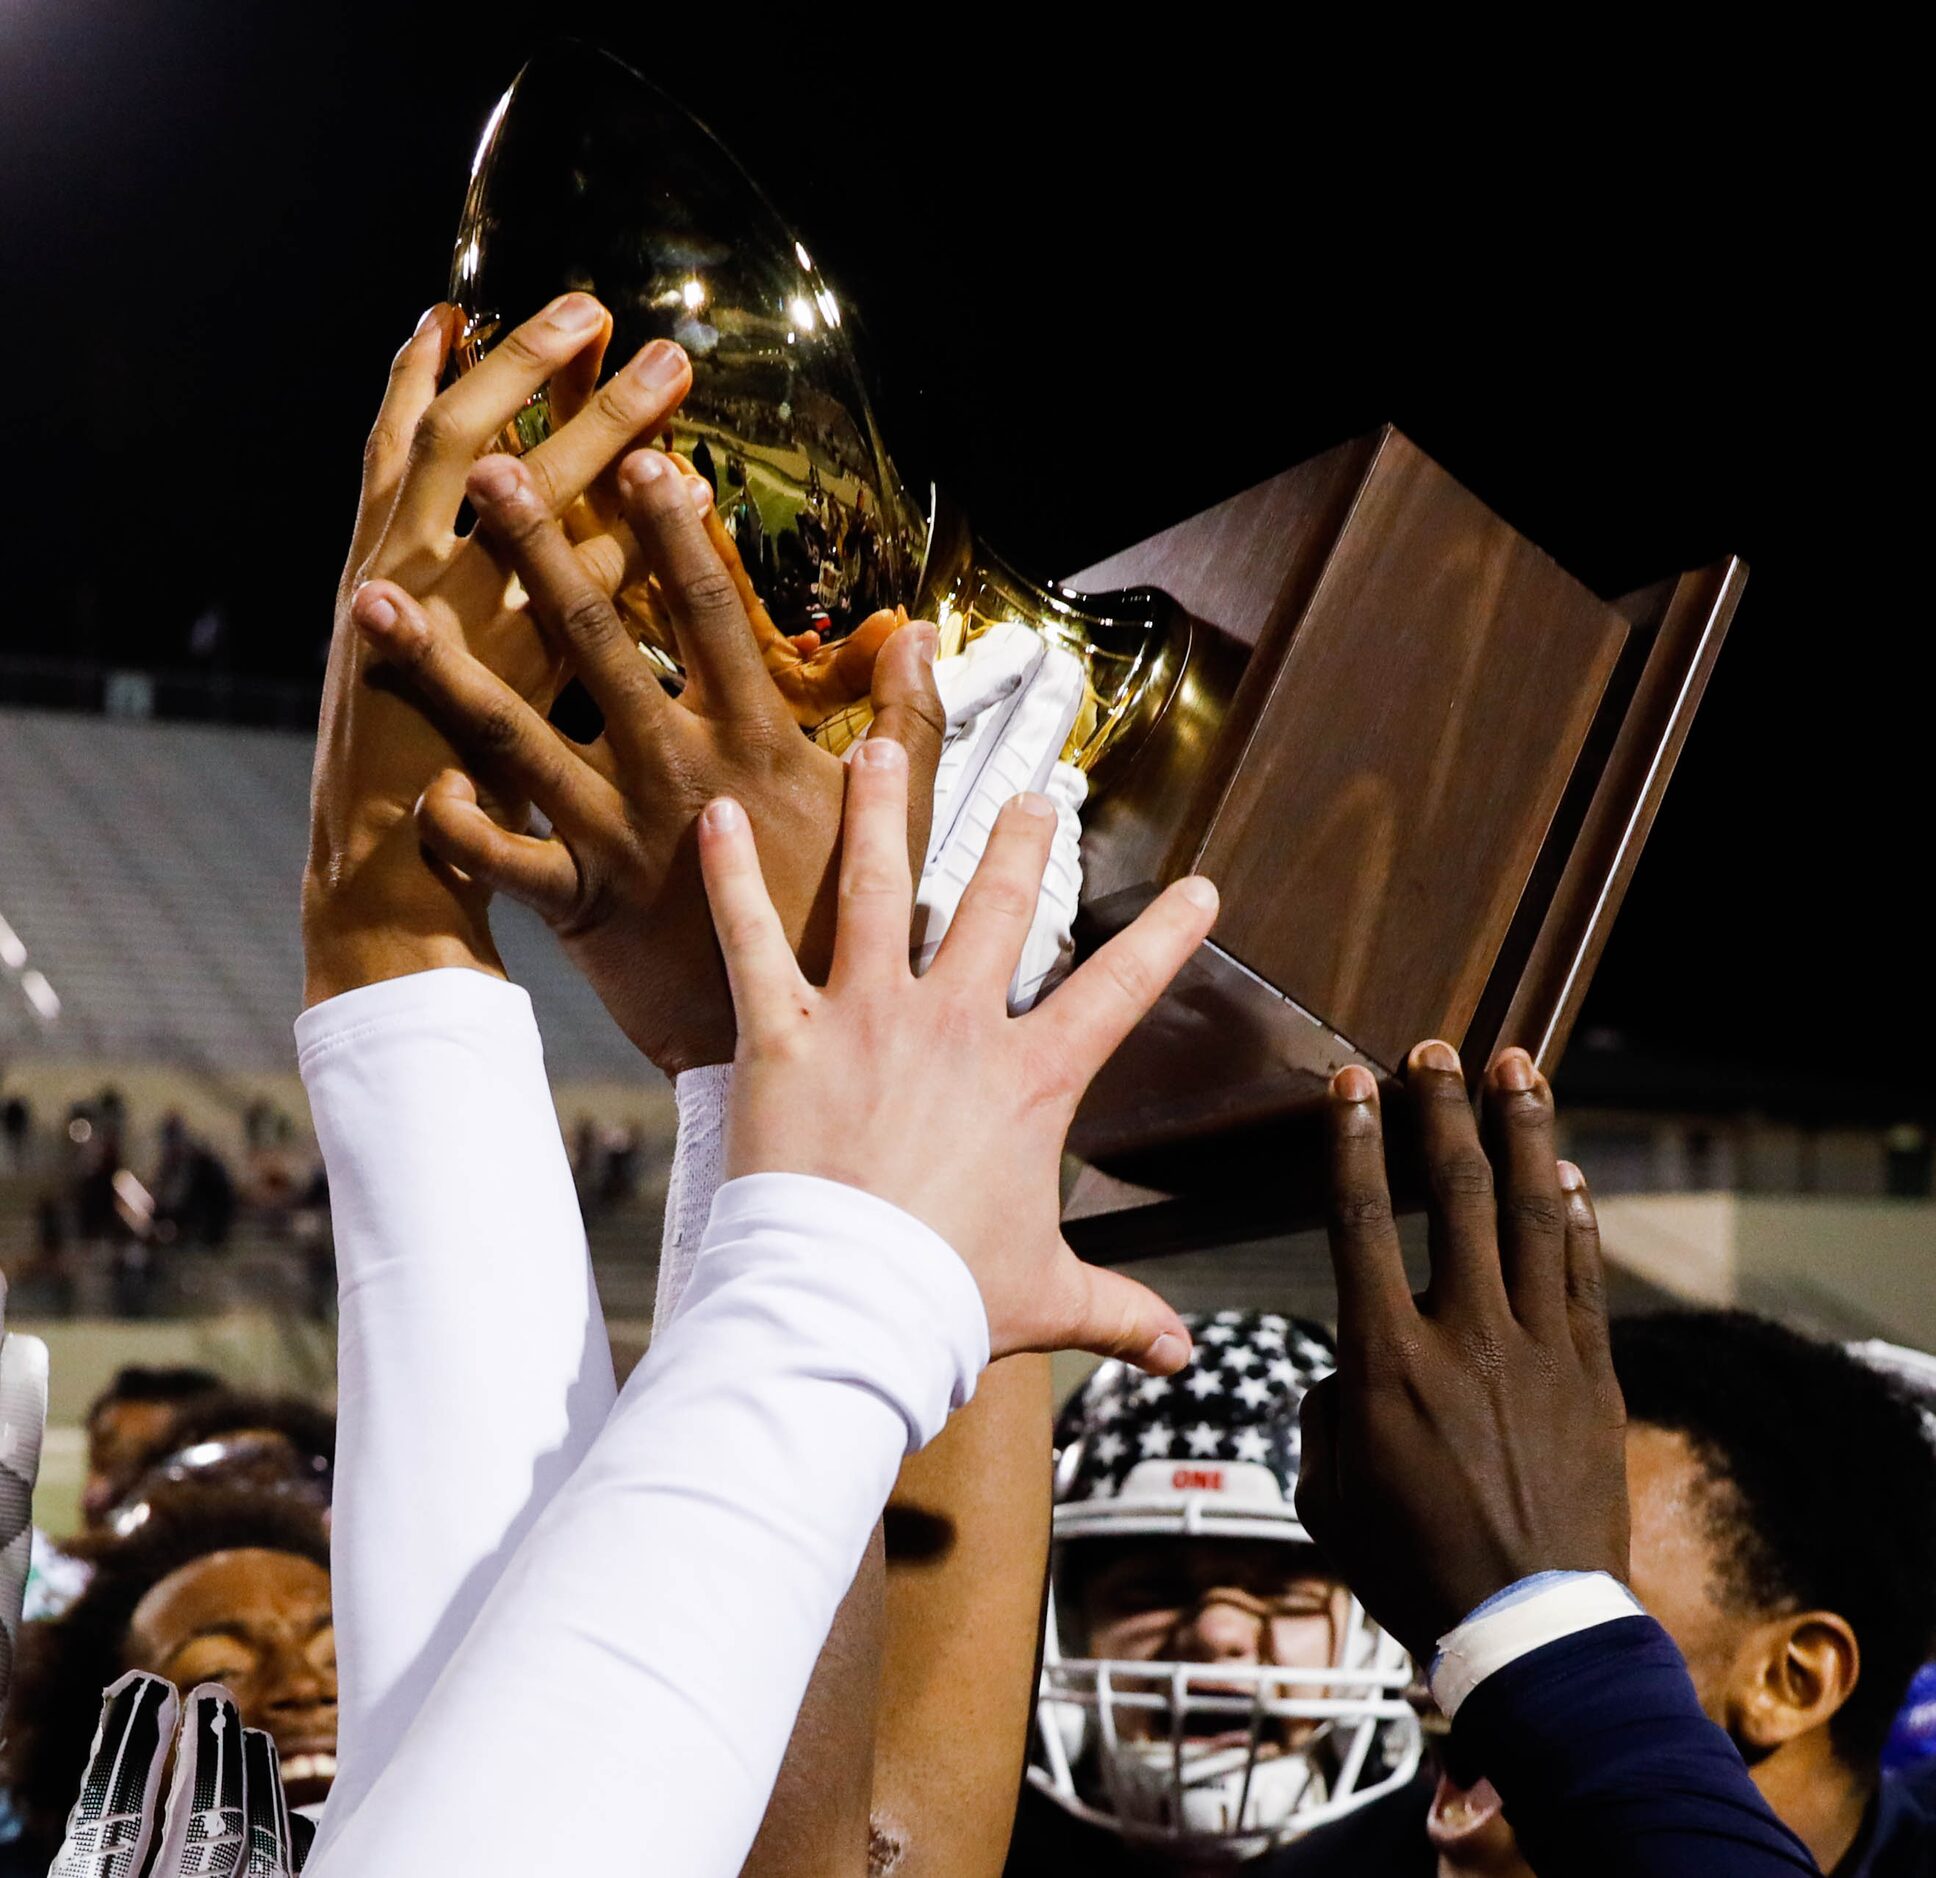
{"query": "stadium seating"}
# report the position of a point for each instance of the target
(150, 870)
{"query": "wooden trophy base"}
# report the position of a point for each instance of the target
(1419, 760)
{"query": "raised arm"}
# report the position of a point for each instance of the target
(474, 1368)
(967, 1526)
(652, 1640)
(1464, 1467)
(620, 890)
(967, 1549)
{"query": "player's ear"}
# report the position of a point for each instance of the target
(1792, 1676)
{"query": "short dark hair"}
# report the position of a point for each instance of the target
(137, 1383)
(66, 1662)
(1830, 1486)
(309, 1429)
(302, 1461)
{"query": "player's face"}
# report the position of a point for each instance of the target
(1675, 1568)
(1193, 1600)
(259, 1623)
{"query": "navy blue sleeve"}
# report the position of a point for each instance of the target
(1607, 1766)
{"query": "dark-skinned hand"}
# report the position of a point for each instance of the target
(816, 679)
(1472, 1435)
(618, 879)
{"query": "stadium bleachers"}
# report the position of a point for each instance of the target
(151, 872)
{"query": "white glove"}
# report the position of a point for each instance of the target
(225, 1816)
(23, 1421)
(1011, 700)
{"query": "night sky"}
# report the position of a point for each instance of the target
(1651, 303)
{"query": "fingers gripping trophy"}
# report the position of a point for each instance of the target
(1209, 1687)
(1419, 757)
(588, 179)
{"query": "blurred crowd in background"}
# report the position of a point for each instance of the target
(1765, 1465)
(202, 1555)
(108, 1212)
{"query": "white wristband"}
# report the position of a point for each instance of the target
(698, 1172)
(1519, 1620)
(1011, 699)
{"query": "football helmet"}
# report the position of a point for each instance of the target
(1214, 1759)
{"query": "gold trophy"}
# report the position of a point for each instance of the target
(589, 178)
(1418, 758)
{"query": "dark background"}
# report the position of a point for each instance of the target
(1650, 299)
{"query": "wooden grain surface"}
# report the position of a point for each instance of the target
(1420, 767)
(1679, 627)
(1240, 573)
(1395, 790)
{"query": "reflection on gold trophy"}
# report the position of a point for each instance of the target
(589, 178)
(1416, 755)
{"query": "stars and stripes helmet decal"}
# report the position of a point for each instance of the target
(1218, 1760)
(1125, 1434)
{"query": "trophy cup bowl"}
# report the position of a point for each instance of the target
(1417, 756)
(589, 178)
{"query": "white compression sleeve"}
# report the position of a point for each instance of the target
(1010, 702)
(624, 1699)
(474, 1369)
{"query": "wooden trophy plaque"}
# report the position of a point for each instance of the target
(1419, 760)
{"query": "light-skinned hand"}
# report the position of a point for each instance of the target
(1473, 1435)
(371, 908)
(924, 1091)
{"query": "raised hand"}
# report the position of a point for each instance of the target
(815, 679)
(924, 1091)
(1473, 1435)
(205, 1833)
(371, 909)
(113, 1821)
(619, 879)
(225, 1816)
